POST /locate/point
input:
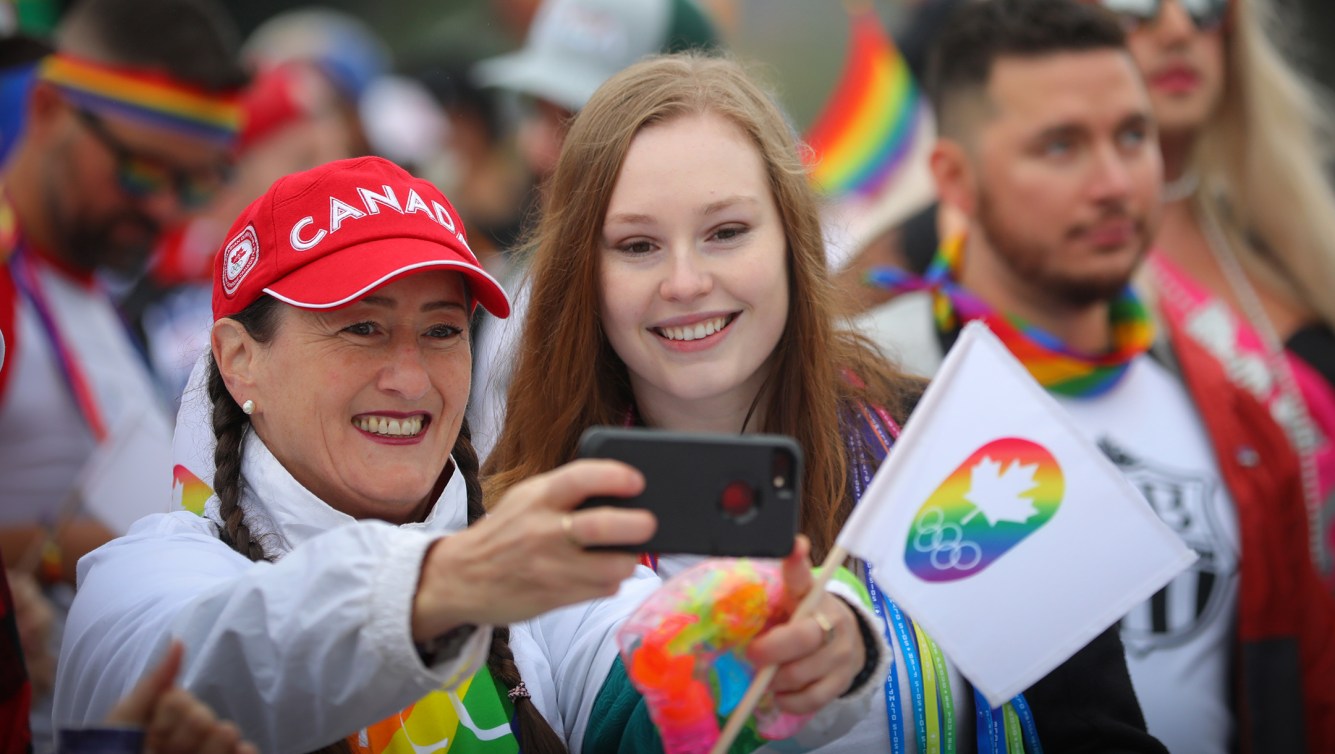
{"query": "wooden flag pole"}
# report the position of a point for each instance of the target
(762, 680)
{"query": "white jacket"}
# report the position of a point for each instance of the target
(297, 652)
(308, 649)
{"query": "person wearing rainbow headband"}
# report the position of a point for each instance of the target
(1048, 147)
(129, 126)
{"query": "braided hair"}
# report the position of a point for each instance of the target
(534, 734)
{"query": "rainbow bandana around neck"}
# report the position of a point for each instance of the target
(1055, 366)
(147, 96)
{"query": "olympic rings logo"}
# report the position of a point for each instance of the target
(944, 543)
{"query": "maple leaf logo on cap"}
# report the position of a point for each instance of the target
(239, 258)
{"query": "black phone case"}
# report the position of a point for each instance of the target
(687, 481)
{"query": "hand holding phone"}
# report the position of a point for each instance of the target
(721, 495)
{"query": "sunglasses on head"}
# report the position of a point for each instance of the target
(143, 176)
(1205, 14)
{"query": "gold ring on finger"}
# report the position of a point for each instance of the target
(826, 627)
(568, 528)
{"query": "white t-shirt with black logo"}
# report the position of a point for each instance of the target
(1178, 644)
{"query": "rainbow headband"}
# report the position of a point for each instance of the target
(147, 96)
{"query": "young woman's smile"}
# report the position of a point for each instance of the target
(694, 270)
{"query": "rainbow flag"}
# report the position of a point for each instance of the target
(867, 127)
(193, 491)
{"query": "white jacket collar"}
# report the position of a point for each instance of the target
(281, 514)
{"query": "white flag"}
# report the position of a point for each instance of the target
(1004, 532)
(127, 475)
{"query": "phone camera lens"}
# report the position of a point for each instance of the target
(738, 500)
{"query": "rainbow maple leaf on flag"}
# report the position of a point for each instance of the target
(866, 129)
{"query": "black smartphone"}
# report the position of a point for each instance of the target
(723, 495)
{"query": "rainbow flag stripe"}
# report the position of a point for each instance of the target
(871, 119)
(147, 96)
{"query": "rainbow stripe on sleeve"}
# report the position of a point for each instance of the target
(148, 96)
(866, 128)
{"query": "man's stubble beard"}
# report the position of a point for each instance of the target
(88, 245)
(1029, 262)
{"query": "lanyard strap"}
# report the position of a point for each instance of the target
(989, 735)
(1014, 738)
(913, 666)
(943, 693)
(1021, 709)
(929, 694)
(893, 714)
(25, 277)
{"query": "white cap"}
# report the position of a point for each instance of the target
(576, 45)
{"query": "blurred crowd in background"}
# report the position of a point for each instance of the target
(475, 97)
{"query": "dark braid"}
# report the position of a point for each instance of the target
(533, 731)
(229, 427)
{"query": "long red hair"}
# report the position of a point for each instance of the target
(567, 376)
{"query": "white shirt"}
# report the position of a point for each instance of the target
(1178, 643)
(494, 357)
(45, 441)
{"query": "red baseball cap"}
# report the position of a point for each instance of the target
(326, 237)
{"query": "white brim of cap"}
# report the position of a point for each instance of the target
(326, 284)
(565, 82)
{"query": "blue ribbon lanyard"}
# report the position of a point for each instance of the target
(1027, 724)
(989, 737)
(892, 710)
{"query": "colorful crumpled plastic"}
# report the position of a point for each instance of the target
(685, 651)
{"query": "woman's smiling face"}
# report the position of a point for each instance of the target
(694, 270)
(362, 404)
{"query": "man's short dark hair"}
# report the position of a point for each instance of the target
(978, 33)
(194, 41)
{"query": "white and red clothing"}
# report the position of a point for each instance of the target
(46, 439)
(1307, 417)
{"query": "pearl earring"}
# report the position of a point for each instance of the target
(248, 407)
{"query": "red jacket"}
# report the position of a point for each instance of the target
(15, 691)
(1285, 662)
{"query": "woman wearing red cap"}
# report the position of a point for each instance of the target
(319, 604)
(338, 377)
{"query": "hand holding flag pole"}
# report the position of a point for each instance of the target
(765, 675)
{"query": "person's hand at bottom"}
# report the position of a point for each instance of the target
(817, 656)
(175, 722)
